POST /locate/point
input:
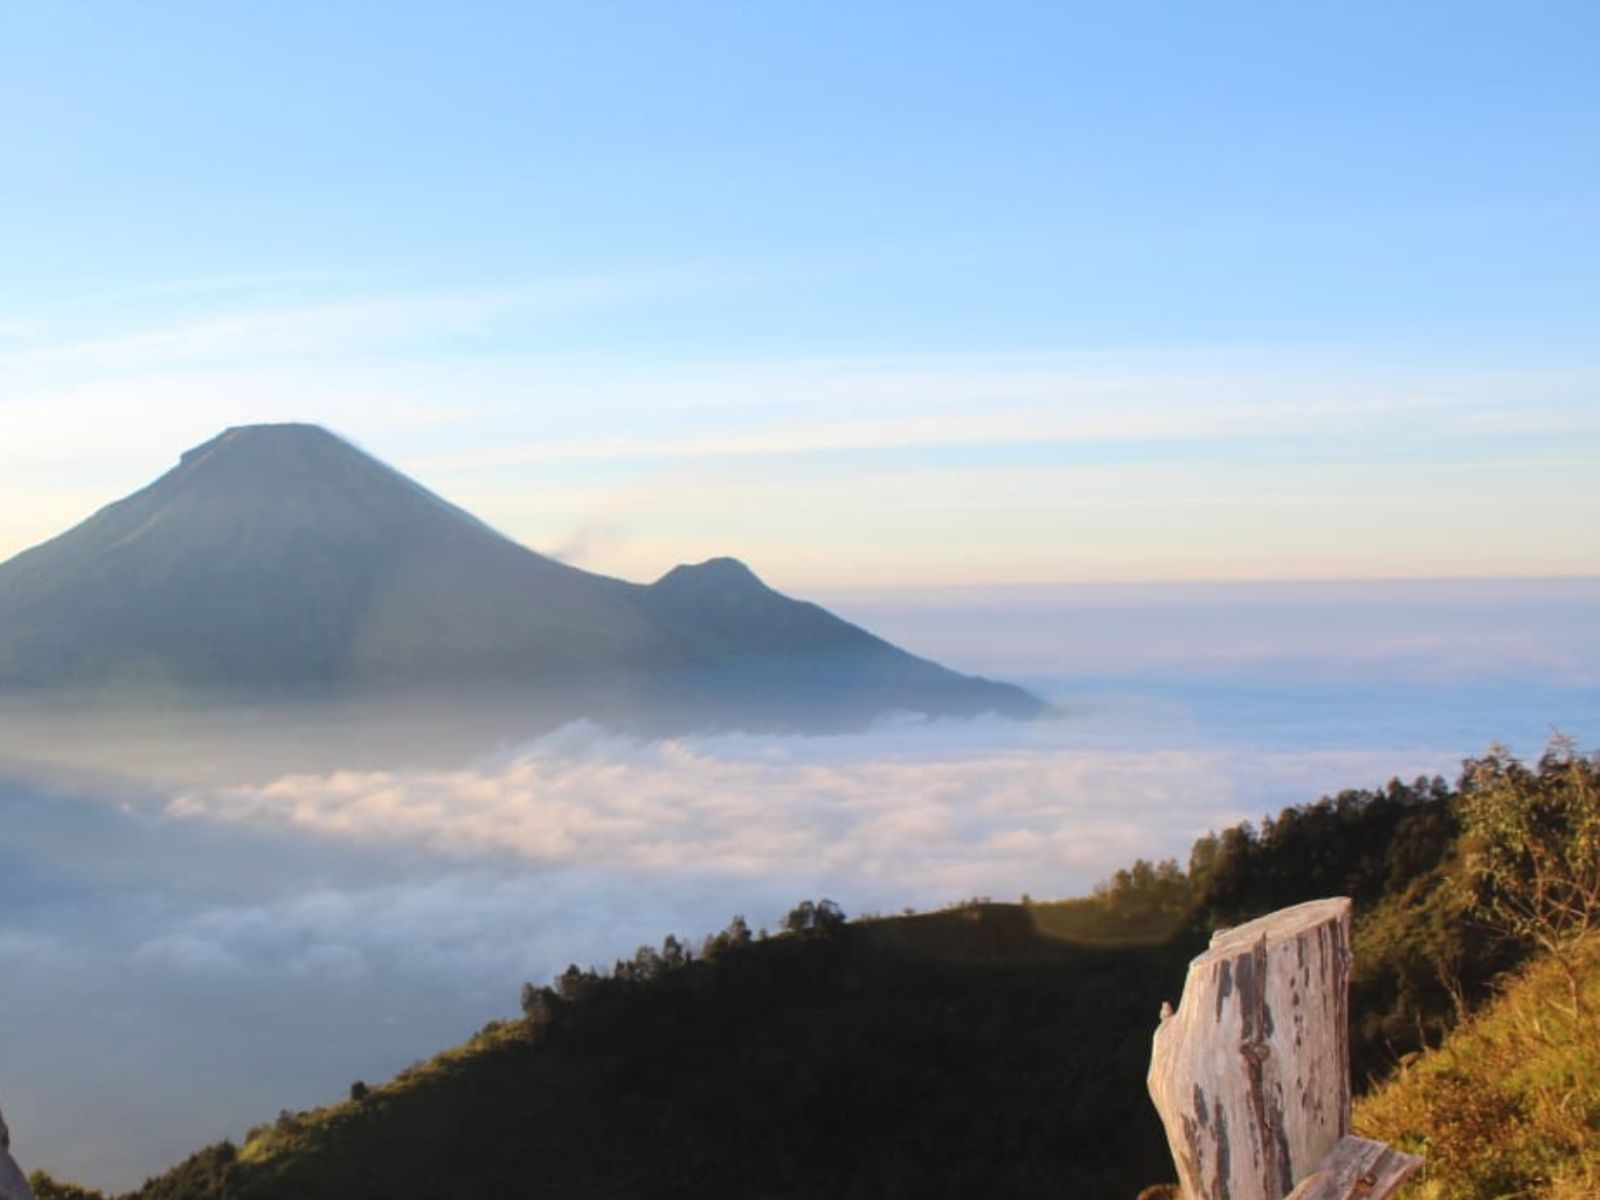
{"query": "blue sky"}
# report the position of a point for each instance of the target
(864, 293)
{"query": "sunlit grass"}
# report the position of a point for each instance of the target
(1509, 1106)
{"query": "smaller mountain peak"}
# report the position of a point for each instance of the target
(724, 567)
(722, 574)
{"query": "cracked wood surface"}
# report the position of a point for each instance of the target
(1358, 1169)
(1251, 1074)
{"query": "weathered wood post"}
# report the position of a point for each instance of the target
(13, 1184)
(1251, 1075)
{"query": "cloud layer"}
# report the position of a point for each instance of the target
(925, 813)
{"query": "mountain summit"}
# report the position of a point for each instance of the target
(282, 557)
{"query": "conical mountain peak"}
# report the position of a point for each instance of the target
(285, 442)
(289, 453)
(280, 554)
(303, 433)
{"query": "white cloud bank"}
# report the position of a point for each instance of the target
(921, 814)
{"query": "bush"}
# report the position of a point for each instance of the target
(1533, 849)
(46, 1188)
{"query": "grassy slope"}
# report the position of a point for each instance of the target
(1509, 1105)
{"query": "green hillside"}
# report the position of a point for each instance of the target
(1509, 1105)
(989, 1049)
(958, 1053)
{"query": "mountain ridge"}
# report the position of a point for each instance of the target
(283, 556)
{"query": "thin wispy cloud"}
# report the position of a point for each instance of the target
(706, 411)
(349, 326)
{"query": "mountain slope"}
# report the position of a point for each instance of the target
(775, 656)
(282, 557)
(960, 1054)
(280, 554)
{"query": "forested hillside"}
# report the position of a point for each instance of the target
(983, 1050)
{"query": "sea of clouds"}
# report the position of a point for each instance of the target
(181, 961)
(911, 813)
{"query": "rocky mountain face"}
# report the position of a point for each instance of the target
(282, 557)
(13, 1184)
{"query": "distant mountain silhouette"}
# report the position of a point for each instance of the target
(280, 557)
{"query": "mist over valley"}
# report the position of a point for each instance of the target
(224, 906)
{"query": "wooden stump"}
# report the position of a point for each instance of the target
(1251, 1075)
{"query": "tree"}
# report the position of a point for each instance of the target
(673, 953)
(46, 1188)
(646, 963)
(798, 920)
(574, 984)
(540, 1004)
(828, 919)
(735, 937)
(812, 918)
(1533, 849)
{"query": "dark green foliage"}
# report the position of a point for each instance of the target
(1533, 849)
(212, 1174)
(1362, 844)
(960, 1053)
(46, 1188)
(730, 941)
(819, 918)
(1420, 962)
(1148, 901)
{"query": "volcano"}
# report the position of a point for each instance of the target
(282, 559)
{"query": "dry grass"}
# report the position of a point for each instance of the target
(1509, 1106)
